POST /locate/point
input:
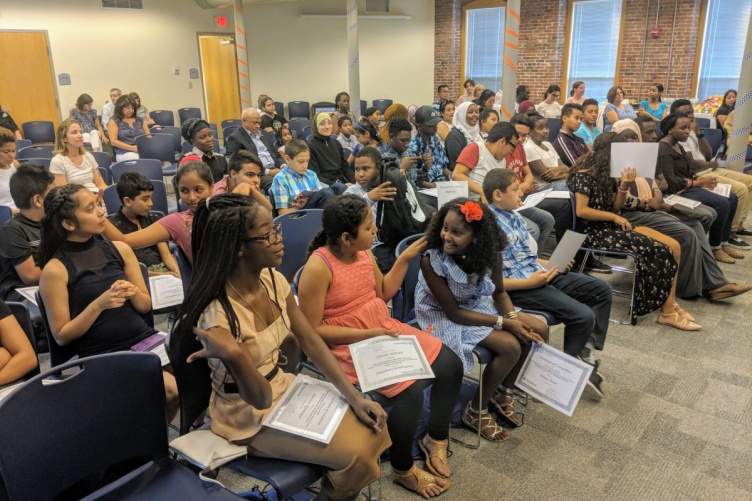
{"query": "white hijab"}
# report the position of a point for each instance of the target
(460, 122)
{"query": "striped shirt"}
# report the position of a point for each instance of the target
(569, 147)
(288, 184)
(439, 160)
(519, 262)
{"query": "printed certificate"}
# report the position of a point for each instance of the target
(385, 360)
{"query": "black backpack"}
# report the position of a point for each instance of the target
(407, 214)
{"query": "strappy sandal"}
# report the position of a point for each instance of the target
(440, 454)
(677, 321)
(682, 312)
(504, 403)
(489, 428)
(423, 478)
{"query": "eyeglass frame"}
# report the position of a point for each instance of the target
(276, 230)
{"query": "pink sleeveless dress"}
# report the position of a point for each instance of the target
(351, 301)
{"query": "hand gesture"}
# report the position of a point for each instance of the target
(628, 175)
(427, 159)
(124, 288)
(300, 201)
(570, 265)
(521, 331)
(370, 413)
(625, 225)
(541, 278)
(243, 189)
(415, 249)
(216, 343)
(407, 163)
(384, 192)
(706, 182)
(115, 296)
(105, 140)
(548, 175)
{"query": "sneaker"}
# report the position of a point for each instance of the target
(738, 243)
(596, 266)
(744, 232)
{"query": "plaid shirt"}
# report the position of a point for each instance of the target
(519, 261)
(439, 161)
(288, 184)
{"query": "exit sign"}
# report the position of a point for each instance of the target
(221, 21)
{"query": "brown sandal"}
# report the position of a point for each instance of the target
(440, 454)
(423, 478)
(503, 402)
(489, 428)
(722, 257)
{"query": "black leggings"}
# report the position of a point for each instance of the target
(407, 406)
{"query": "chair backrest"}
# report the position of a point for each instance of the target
(21, 312)
(22, 143)
(59, 430)
(703, 123)
(111, 199)
(299, 109)
(106, 175)
(159, 147)
(215, 148)
(715, 138)
(382, 104)
(298, 229)
(42, 162)
(363, 105)
(185, 267)
(42, 131)
(185, 147)
(150, 168)
(411, 277)
(234, 122)
(103, 158)
(324, 107)
(306, 131)
(37, 151)
(163, 117)
(554, 126)
(297, 126)
(279, 108)
(296, 280)
(173, 131)
(186, 113)
(227, 131)
(6, 214)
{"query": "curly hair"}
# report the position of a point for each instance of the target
(488, 240)
(597, 163)
(342, 214)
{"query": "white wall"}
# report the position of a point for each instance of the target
(291, 58)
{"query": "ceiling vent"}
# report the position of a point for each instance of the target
(377, 6)
(123, 4)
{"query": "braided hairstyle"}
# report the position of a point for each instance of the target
(363, 125)
(59, 204)
(669, 121)
(598, 162)
(488, 241)
(342, 214)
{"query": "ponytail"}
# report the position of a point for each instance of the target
(59, 204)
(319, 240)
(342, 214)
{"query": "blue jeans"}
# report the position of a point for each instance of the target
(544, 222)
(720, 230)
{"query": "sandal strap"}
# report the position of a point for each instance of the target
(488, 426)
(423, 478)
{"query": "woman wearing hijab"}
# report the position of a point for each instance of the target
(394, 111)
(197, 132)
(465, 131)
(327, 159)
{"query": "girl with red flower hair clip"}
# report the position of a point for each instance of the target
(460, 295)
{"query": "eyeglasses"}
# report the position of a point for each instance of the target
(273, 236)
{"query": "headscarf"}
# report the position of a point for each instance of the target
(629, 124)
(525, 105)
(394, 111)
(459, 121)
(193, 126)
(317, 119)
(411, 110)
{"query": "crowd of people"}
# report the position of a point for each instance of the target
(480, 267)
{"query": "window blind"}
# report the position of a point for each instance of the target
(484, 46)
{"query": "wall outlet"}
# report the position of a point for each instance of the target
(190, 85)
(176, 70)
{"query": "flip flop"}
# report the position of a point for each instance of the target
(440, 454)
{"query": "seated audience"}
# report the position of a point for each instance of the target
(244, 177)
(469, 95)
(727, 106)
(327, 159)
(343, 295)
(194, 182)
(488, 118)
(17, 357)
(728, 126)
(8, 166)
(446, 111)
(588, 131)
(442, 92)
(548, 169)
(396, 110)
(270, 120)
(486, 99)
(433, 164)
(93, 289)
(598, 202)
(241, 313)
(366, 135)
(460, 296)
(250, 137)
(373, 115)
(568, 146)
(135, 192)
(653, 106)
(141, 111)
(582, 303)
(478, 91)
(479, 158)
(72, 163)
(577, 94)
(108, 110)
(124, 128)
(345, 136)
(7, 122)
(89, 121)
(465, 131)
(617, 108)
(550, 106)
(395, 150)
(341, 109)
(198, 132)
(19, 237)
(283, 136)
(259, 102)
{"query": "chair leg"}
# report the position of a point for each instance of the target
(476, 445)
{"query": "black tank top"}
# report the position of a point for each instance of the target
(93, 266)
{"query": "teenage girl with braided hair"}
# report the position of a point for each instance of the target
(460, 294)
(93, 289)
(241, 310)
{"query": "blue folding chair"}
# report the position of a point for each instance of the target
(150, 168)
(37, 151)
(6, 214)
(185, 267)
(298, 229)
(363, 105)
(703, 123)
(299, 109)
(231, 122)
(298, 126)
(279, 108)
(382, 104)
(42, 131)
(45, 456)
(186, 113)
(22, 143)
(173, 131)
(23, 317)
(42, 162)
(163, 117)
(405, 311)
(226, 132)
(111, 200)
(186, 147)
(158, 147)
(554, 126)
(715, 139)
(324, 107)
(103, 160)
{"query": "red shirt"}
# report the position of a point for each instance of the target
(515, 161)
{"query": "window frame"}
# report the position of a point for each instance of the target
(477, 4)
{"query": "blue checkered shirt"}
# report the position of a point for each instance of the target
(288, 184)
(519, 261)
(439, 161)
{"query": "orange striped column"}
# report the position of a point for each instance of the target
(353, 58)
(739, 137)
(509, 68)
(241, 52)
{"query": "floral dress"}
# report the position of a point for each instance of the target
(655, 265)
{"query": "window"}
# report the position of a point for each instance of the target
(594, 46)
(484, 46)
(723, 38)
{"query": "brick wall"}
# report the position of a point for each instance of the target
(543, 36)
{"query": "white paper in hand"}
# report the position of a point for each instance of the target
(384, 360)
(566, 250)
(642, 156)
(534, 199)
(721, 189)
(29, 293)
(447, 191)
(166, 290)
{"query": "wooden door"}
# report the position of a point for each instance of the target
(220, 73)
(27, 85)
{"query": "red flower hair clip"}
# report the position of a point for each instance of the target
(472, 211)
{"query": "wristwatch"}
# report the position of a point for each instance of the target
(499, 323)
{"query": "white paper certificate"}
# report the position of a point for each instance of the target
(385, 360)
(29, 293)
(643, 157)
(677, 200)
(566, 250)
(721, 189)
(554, 377)
(166, 290)
(309, 408)
(534, 199)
